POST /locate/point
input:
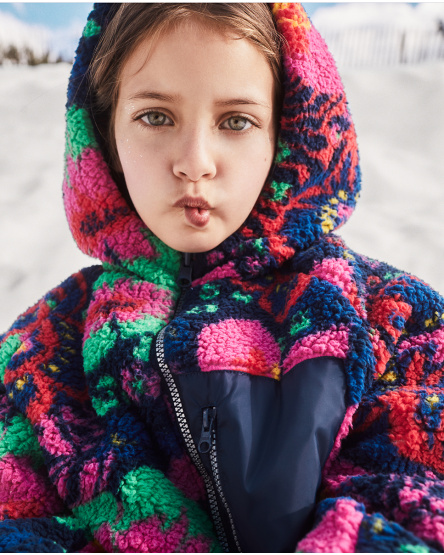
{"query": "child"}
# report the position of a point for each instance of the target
(148, 403)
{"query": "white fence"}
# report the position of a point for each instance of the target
(370, 47)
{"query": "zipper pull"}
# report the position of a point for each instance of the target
(185, 271)
(206, 435)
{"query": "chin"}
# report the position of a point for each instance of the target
(195, 245)
(197, 248)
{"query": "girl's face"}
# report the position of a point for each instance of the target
(195, 134)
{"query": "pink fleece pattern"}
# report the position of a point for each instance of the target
(435, 339)
(337, 532)
(141, 298)
(220, 272)
(343, 432)
(52, 439)
(88, 477)
(339, 272)
(413, 499)
(344, 213)
(318, 70)
(241, 345)
(92, 191)
(25, 493)
(333, 342)
(185, 476)
(152, 536)
(307, 55)
(430, 528)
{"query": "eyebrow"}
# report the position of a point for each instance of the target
(246, 101)
(144, 95)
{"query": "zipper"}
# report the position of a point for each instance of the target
(184, 279)
(188, 438)
(207, 444)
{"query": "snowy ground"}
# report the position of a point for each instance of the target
(400, 123)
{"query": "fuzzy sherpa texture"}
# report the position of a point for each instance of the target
(91, 458)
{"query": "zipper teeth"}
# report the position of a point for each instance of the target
(188, 438)
(179, 304)
(216, 474)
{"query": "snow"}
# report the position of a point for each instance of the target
(37, 248)
(400, 124)
(398, 15)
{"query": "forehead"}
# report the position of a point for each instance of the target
(193, 51)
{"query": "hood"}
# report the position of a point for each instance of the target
(311, 190)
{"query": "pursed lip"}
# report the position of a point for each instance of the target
(193, 202)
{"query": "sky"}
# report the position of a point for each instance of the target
(51, 14)
(60, 14)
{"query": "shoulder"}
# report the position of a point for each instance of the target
(338, 298)
(330, 259)
(64, 303)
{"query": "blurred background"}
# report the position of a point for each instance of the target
(391, 59)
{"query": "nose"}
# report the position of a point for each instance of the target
(193, 156)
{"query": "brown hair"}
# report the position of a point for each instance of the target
(131, 24)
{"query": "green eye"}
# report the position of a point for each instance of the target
(155, 118)
(237, 123)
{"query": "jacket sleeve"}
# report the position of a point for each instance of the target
(27, 497)
(383, 486)
(30, 504)
(68, 481)
(25, 490)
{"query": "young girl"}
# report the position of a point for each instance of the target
(232, 377)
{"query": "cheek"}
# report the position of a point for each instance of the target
(262, 170)
(249, 182)
(139, 164)
(124, 150)
(256, 165)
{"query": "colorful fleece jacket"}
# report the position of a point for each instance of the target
(91, 454)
